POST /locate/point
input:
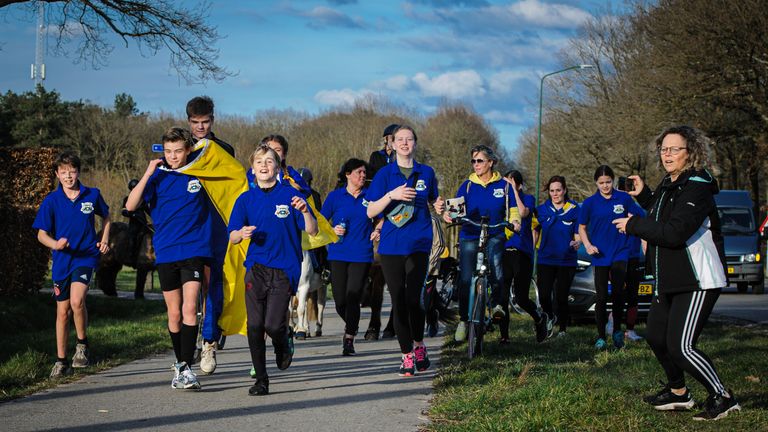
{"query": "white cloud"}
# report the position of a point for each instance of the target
(549, 15)
(340, 97)
(455, 85)
(503, 82)
(322, 17)
(397, 83)
(505, 117)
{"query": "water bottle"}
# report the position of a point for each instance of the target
(343, 224)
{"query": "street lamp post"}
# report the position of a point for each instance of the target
(541, 112)
(538, 151)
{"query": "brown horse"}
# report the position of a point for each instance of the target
(126, 247)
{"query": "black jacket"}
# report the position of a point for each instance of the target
(682, 228)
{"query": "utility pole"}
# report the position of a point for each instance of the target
(38, 69)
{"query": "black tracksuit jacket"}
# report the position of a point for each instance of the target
(682, 228)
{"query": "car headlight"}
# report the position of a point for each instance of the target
(582, 265)
(750, 258)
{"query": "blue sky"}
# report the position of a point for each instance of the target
(315, 54)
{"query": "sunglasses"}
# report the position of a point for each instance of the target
(474, 161)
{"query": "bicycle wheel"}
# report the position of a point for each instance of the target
(477, 321)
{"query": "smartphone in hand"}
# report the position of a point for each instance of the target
(626, 184)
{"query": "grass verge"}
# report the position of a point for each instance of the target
(563, 384)
(119, 331)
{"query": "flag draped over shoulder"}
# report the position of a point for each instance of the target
(223, 178)
(325, 234)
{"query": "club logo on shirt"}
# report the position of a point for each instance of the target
(282, 211)
(618, 208)
(567, 223)
(194, 186)
(365, 203)
(421, 185)
(498, 193)
(86, 207)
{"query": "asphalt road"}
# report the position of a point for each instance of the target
(320, 391)
(742, 306)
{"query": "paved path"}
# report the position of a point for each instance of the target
(742, 306)
(321, 391)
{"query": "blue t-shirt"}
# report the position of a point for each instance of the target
(489, 200)
(597, 213)
(557, 230)
(356, 245)
(523, 241)
(306, 191)
(73, 220)
(178, 205)
(276, 242)
(416, 234)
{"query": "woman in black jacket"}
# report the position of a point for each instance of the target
(685, 254)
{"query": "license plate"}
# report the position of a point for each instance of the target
(645, 289)
(731, 270)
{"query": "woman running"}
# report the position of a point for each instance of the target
(402, 191)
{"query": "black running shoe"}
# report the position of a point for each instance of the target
(665, 400)
(283, 358)
(348, 348)
(261, 388)
(718, 406)
(541, 327)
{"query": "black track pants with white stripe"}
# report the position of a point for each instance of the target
(675, 322)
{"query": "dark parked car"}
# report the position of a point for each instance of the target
(582, 297)
(742, 241)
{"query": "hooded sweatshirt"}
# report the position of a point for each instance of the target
(685, 247)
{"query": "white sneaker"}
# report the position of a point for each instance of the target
(184, 378)
(208, 358)
(631, 335)
(80, 359)
(461, 332)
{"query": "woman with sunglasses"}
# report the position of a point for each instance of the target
(485, 194)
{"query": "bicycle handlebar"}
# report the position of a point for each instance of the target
(461, 220)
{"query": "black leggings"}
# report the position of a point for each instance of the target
(267, 292)
(347, 282)
(617, 272)
(518, 268)
(405, 276)
(559, 278)
(633, 284)
(675, 322)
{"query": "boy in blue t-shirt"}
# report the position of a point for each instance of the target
(182, 241)
(65, 224)
(271, 215)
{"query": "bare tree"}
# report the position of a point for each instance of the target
(153, 25)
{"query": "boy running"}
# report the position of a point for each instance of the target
(65, 224)
(271, 215)
(179, 210)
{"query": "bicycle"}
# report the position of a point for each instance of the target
(479, 295)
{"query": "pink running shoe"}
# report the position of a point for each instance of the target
(407, 368)
(422, 360)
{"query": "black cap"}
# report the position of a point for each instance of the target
(306, 174)
(389, 130)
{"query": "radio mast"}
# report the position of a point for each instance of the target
(38, 69)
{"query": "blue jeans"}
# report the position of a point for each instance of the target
(468, 264)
